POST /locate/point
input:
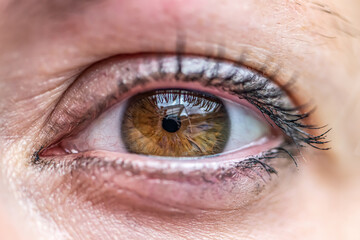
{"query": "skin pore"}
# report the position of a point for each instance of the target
(44, 47)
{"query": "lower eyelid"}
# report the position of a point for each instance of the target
(169, 187)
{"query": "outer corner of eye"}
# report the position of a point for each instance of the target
(195, 132)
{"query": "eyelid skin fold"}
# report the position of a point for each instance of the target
(113, 79)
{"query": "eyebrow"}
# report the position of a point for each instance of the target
(65, 8)
(61, 10)
(69, 6)
(51, 7)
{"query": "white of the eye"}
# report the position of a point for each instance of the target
(103, 133)
(245, 127)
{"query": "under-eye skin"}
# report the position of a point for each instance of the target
(212, 178)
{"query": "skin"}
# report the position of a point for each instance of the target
(44, 47)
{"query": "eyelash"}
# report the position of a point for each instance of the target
(259, 91)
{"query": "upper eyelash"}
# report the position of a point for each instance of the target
(290, 123)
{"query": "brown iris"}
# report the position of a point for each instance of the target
(175, 122)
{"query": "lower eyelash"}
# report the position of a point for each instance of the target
(263, 160)
(260, 162)
(255, 164)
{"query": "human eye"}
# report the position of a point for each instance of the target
(173, 123)
(178, 132)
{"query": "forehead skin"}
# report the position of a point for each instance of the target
(44, 46)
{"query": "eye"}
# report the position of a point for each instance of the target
(174, 123)
(125, 127)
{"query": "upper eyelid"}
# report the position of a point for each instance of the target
(260, 51)
(83, 77)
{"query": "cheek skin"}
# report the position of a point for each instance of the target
(133, 223)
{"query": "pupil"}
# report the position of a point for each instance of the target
(171, 123)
